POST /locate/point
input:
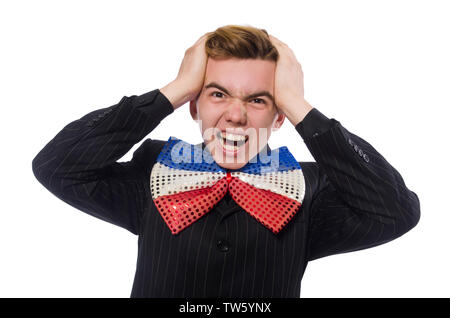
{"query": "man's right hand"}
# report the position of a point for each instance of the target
(190, 78)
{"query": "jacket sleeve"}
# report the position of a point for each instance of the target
(362, 201)
(79, 165)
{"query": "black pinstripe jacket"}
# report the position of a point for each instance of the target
(354, 200)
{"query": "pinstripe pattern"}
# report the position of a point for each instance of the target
(354, 200)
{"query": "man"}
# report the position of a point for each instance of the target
(240, 83)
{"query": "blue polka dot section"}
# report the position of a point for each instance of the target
(179, 154)
(277, 160)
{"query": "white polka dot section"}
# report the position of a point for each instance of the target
(287, 183)
(166, 181)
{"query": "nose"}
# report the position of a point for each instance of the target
(236, 112)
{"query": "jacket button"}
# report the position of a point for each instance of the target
(356, 148)
(350, 142)
(223, 246)
(360, 152)
(315, 134)
(366, 158)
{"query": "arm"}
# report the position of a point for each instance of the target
(79, 164)
(362, 200)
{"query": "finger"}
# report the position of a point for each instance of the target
(276, 44)
(203, 38)
(275, 40)
(280, 46)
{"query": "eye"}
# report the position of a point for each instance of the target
(212, 94)
(262, 100)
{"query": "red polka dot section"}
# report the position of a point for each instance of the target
(182, 209)
(271, 209)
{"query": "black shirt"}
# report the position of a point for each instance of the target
(354, 199)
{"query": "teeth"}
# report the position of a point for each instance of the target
(233, 137)
(231, 141)
(231, 148)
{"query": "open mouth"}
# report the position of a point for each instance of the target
(231, 142)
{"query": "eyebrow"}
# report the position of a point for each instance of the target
(257, 94)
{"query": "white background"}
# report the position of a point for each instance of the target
(379, 67)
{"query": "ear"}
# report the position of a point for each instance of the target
(278, 121)
(193, 109)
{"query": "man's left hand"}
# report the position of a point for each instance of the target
(289, 91)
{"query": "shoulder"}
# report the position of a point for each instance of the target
(147, 153)
(310, 170)
(315, 179)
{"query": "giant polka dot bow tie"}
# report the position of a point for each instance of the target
(186, 183)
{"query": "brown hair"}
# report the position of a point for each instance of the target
(237, 41)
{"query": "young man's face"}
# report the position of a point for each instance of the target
(235, 123)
